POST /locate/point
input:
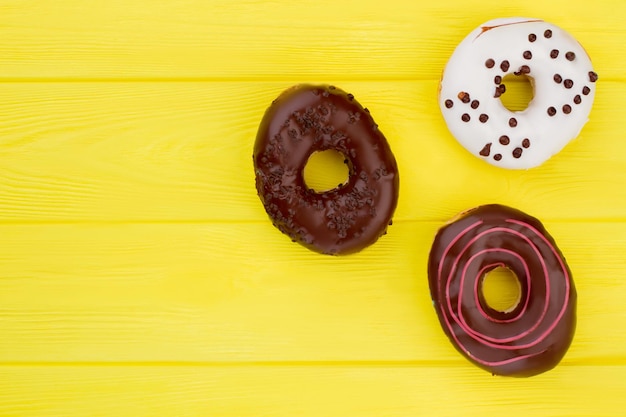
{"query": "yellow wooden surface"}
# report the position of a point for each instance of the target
(140, 276)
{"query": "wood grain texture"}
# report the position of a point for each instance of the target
(183, 151)
(203, 293)
(140, 276)
(305, 391)
(281, 40)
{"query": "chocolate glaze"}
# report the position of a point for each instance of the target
(533, 336)
(306, 119)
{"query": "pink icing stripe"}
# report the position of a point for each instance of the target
(456, 239)
(468, 329)
(482, 361)
(480, 274)
(563, 268)
(484, 339)
(476, 298)
(546, 241)
(544, 334)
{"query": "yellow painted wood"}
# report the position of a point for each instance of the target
(284, 40)
(317, 390)
(139, 274)
(183, 151)
(243, 292)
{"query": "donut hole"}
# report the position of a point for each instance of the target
(519, 92)
(501, 289)
(326, 170)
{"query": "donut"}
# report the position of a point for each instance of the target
(531, 337)
(311, 118)
(557, 67)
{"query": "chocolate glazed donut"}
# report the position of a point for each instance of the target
(534, 335)
(307, 119)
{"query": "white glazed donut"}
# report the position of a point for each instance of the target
(559, 70)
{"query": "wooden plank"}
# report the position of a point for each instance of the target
(292, 390)
(71, 39)
(140, 276)
(243, 292)
(182, 151)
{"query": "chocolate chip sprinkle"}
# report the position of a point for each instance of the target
(350, 96)
(557, 78)
(475, 104)
(465, 117)
(464, 97)
(517, 152)
(512, 122)
(497, 157)
(547, 34)
(568, 83)
(551, 111)
(570, 56)
(504, 140)
(526, 143)
(593, 77)
(501, 89)
(554, 53)
(497, 79)
(449, 104)
(524, 69)
(567, 109)
(586, 90)
(490, 63)
(504, 66)
(532, 37)
(483, 118)
(486, 150)
(527, 55)
(577, 99)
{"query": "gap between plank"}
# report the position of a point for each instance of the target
(618, 361)
(104, 222)
(235, 79)
(210, 79)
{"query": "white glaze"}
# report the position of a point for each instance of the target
(508, 39)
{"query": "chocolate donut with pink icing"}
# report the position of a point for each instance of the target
(534, 335)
